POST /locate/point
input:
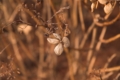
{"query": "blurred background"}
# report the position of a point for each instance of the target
(25, 53)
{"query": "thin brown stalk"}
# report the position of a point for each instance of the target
(92, 44)
(117, 77)
(69, 64)
(92, 62)
(109, 60)
(74, 13)
(41, 53)
(81, 16)
(54, 11)
(86, 35)
(116, 68)
(110, 39)
(100, 38)
(4, 49)
(105, 24)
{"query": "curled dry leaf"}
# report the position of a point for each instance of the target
(57, 36)
(58, 49)
(103, 1)
(66, 42)
(108, 8)
(53, 41)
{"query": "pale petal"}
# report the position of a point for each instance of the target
(58, 49)
(57, 36)
(108, 8)
(53, 41)
(66, 42)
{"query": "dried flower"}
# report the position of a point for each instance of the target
(108, 8)
(61, 42)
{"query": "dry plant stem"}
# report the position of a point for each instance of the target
(86, 35)
(81, 15)
(70, 2)
(117, 68)
(74, 13)
(100, 38)
(110, 39)
(4, 49)
(17, 53)
(97, 48)
(108, 23)
(105, 76)
(63, 3)
(48, 9)
(53, 8)
(92, 44)
(31, 14)
(109, 60)
(118, 75)
(27, 52)
(41, 52)
(12, 37)
(69, 64)
(33, 17)
(77, 41)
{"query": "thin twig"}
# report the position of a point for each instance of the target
(4, 49)
(116, 68)
(70, 64)
(92, 44)
(110, 39)
(81, 16)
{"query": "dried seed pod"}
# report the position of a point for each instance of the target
(58, 49)
(24, 28)
(103, 1)
(66, 42)
(108, 8)
(53, 41)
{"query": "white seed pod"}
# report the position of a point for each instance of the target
(103, 1)
(66, 42)
(108, 8)
(53, 41)
(57, 36)
(58, 49)
(93, 6)
(24, 28)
